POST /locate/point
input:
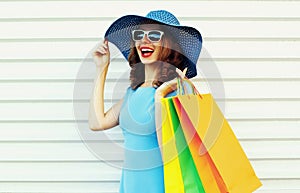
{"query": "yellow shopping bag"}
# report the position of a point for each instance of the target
(219, 140)
(172, 174)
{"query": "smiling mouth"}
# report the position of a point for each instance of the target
(146, 52)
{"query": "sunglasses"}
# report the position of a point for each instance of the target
(153, 35)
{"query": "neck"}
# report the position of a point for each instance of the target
(151, 71)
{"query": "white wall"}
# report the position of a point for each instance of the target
(254, 44)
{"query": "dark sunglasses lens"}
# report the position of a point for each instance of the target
(138, 35)
(154, 36)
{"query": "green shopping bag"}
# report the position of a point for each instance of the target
(188, 171)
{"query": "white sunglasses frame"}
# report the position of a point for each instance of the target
(146, 33)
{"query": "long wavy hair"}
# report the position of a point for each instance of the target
(170, 58)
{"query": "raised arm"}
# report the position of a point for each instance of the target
(98, 119)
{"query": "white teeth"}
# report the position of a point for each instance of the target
(146, 50)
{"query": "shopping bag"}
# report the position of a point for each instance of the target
(172, 134)
(209, 175)
(173, 181)
(220, 142)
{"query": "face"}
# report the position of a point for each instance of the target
(148, 50)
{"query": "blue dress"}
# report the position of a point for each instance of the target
(143, 166)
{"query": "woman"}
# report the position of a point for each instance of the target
(154, 46)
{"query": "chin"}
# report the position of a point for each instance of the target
(147, 61)
(150, 59)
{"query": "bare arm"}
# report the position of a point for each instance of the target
(98, 119)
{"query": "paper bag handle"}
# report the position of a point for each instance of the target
(182, 87)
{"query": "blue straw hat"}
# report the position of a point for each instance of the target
(188, 38)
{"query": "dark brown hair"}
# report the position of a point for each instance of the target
(170, 58)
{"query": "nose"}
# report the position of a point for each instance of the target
(145, 39)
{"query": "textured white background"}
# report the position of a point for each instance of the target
(255, 45)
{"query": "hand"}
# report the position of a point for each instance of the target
(101, 55)
(169, 86)
(181, 73)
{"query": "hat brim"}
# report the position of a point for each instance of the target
(188, 38)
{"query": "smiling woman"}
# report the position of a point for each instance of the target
(148, 44)
(156, 50)
(147, 49)
(155, 47)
